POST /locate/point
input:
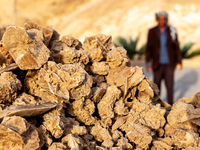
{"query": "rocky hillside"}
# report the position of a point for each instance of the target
(115, 17)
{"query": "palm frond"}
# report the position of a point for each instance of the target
(141, 51)
(186, 48)
(193, 54)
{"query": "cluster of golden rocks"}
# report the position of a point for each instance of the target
(61, 94)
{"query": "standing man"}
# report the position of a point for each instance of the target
(163, 53)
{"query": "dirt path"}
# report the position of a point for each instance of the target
(187, 83)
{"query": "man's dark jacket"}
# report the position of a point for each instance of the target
(153, 49)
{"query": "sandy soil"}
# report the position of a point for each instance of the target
(187, 63)
(187, 83)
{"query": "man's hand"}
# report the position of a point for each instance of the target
(179, 66)
(149, 68)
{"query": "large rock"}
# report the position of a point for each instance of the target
(26, 106)
(47, 32)
(10, 139)
(59, 83)
(17, 130)
(26, 47)
(182, 114)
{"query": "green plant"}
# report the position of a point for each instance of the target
(193, 54)
(131, 46)
(141, 51)
(186, 48)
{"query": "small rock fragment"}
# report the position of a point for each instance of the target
(118, 148)
(57, 146)
(117, 57)
(168, 129)
(80, 130)
(98, 41)
(45, 135)
(160, 132)
(106, 122)
(5, 56)
(70, 56)
(83, 111)
(136, 78)
(100, 148)
(54, 121)
(96, 55)
(7, 68)
(154, 117)
(116, 134)
(107, 143)
(183, 139)
(100, 68)
(140, 135)
(69, 125)
(162, 145)
(100, 133)
(9, 87)
(124, 141)
(72, 42)
(106, 104)
(145, 87)
(119, 122)
(120, 108)
(97, 93)
(72, 142)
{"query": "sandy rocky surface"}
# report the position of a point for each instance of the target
(59, 94)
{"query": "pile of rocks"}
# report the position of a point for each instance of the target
(63, 94)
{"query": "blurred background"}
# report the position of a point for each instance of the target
(128, 22)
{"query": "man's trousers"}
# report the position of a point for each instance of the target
(167, 73)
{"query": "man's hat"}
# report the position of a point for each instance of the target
(162, 13)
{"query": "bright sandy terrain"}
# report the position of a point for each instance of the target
(115, 17)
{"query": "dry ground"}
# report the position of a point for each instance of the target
(187, 83)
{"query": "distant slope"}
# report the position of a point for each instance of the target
(115, 17)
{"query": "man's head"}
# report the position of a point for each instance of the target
(162, 18)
